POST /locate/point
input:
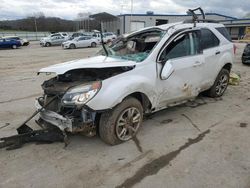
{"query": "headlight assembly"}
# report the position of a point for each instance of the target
(81, 94)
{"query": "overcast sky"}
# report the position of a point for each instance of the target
(13, 9)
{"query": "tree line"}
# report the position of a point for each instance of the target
(39, 22)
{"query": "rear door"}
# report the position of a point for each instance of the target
(210, 46)
(80, 42)
(186, 63)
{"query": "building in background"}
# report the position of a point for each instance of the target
(126, 23)
(237, 27)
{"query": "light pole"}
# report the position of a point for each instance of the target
(35, 26)
(131, 15)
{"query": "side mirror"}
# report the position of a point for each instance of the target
(167, 70)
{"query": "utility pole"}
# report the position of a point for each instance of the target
(35, 26)
(131, 15)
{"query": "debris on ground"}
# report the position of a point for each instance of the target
(234, 79)
(27, 135)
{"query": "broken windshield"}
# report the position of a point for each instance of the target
(135, 47)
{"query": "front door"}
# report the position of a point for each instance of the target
(182, 56)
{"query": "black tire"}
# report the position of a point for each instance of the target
(72, 46)
(14, 46)
(47, 44)
(108, 126)
(219, 83)
(93, 44)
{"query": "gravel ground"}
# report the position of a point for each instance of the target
(183, 146)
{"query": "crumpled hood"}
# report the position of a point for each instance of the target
(92, 62)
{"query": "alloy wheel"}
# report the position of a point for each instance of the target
(128, 123)
(221, 85)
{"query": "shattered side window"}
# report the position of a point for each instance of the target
(137, 47)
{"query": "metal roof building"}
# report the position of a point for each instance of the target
(126, 23)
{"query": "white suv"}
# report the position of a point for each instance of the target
(54, 39)
(144, 72)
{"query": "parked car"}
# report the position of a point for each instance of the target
(246, 55)
(107, 37)
(23, 41)
(110, 36)
(148, 70)
(52, 41)
(9, 43)
(65, 35)
(80, 42)
(76, 35)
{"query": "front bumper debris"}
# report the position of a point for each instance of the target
(27, 135)
(63, 123)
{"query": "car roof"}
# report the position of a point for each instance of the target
(176, 26)
(188, 25)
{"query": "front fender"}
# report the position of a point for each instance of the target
(116, 88)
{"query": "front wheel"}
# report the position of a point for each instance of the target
(121, 123)
(220, 84)
(93, 44)
(47, 44)
(72, 46)
(14, 46)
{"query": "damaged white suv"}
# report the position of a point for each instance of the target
(146, 71)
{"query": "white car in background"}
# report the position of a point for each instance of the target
(80, 42)
(54, 39)
(109, 36)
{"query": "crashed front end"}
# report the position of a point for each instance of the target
(63, 103)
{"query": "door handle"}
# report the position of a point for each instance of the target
(197, 63)
(217, 52)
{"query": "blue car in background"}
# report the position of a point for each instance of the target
(9, 43)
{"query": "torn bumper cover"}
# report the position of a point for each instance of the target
(63, 123)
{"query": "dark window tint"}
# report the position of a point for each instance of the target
(81, 38)
(224, 32)
(178, 48)
(208, 39)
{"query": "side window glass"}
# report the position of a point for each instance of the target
(208, 39)
(180, 47)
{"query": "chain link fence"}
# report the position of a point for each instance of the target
(31, 36)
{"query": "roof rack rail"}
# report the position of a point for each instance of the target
(195, 18)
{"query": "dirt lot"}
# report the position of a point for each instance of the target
(185, 146)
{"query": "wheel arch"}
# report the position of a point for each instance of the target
(143, 99)
(227, 66)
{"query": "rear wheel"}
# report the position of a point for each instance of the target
(14, 46)
(93, 44)
(220, 84)
(72, 46)
(121, 123)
